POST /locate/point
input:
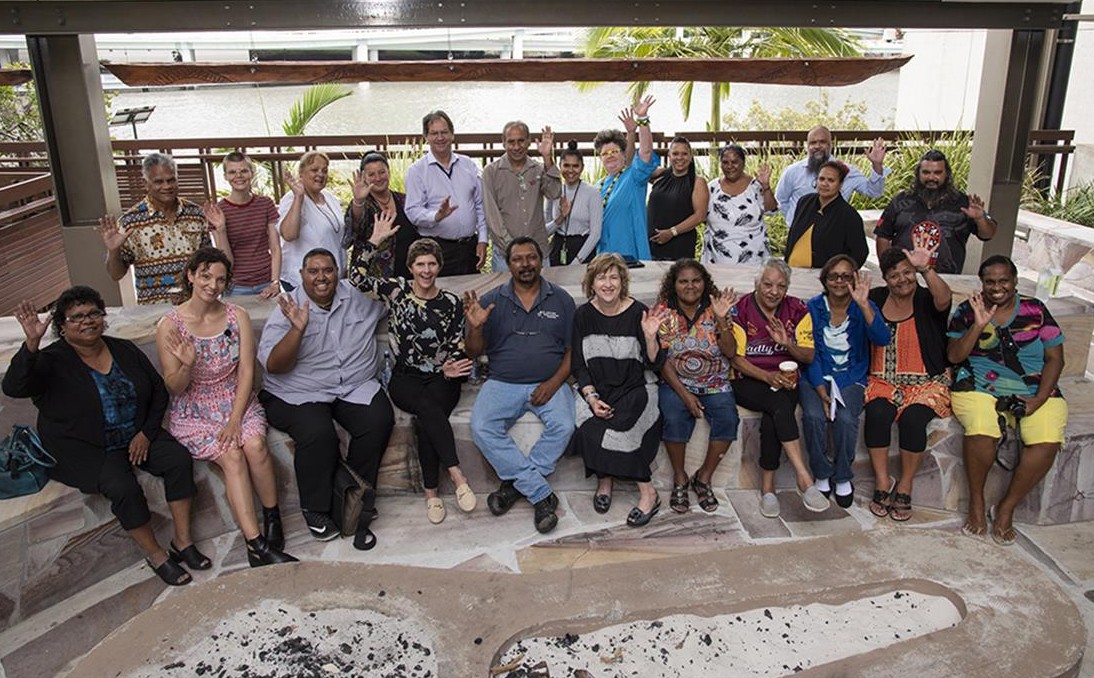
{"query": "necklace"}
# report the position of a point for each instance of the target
(570, 199)
(328, 215)
(383, 203)
(608, 194)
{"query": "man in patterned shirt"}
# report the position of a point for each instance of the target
(158, 235)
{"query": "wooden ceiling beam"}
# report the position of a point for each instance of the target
(778, 71)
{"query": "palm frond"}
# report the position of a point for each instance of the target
(311, 102)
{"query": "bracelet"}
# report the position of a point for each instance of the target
(643, 121)
(675, 232)
(764, 189)
(358, 204)
(590, 395)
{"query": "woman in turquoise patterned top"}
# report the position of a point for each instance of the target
(623, 191)
(425, 332)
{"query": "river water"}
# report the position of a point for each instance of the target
(377, 108)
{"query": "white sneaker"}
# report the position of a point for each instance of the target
(814, 500)
(769, 505)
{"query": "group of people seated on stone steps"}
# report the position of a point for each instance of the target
(610, 380)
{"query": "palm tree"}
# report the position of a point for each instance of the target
(715, 42)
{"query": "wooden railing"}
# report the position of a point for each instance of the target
(198, 159)
(32, 253)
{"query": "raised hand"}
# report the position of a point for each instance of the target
(473, 311)
(113, 237)
(295, 184)
(764, 175)
(383, 227)
(33, 328)
(626, 118)
(445, 209)
(975, 210)
(547, 146)
(564, 207)
(981, 314)
(456, 369)
(652, 319)
(860, 290)
(642, 108)
(214, 216)
(723, 302)
(920, 257)
(777, 331)
(297, 315)
(876, 154)
(361, 187)
(182, 349)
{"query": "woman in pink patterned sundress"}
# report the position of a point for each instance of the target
(207, 354)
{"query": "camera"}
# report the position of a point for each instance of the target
(1011, 404)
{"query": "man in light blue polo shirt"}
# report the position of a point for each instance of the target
(524, 327)
(319, 356)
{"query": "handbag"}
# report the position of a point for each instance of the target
(23, 463)
(354, 501)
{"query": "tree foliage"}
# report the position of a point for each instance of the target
(311, 102)
(850, 116)
(715, 42)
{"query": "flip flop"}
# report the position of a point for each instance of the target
(901, 508)
(1005, 537)
(880, 505)
(970, 530)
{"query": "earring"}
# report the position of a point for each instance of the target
(106, 325)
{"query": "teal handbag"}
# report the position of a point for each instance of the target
(23, 463)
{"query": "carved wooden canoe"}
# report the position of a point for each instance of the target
(827, 71)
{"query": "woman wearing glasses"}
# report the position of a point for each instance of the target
(1009, 355)
(825, 224)
(845, 323)
(100, 408)
(623, 191)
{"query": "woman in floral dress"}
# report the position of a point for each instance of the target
(207, 354)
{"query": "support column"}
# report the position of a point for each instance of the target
(1010, 95)
(70, 93)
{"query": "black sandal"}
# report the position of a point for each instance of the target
(704, 493)
(194, 559)
(678, 500)
(171, 572)
(901, 510)
(881, 503)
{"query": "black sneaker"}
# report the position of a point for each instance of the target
(321, 525)
(545, 513)
(502, 499)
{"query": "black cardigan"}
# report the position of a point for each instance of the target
(837, 229)
(930, 325)
(70, 412)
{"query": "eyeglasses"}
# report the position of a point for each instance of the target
(840, 277)
(78, 318)
(610, 153)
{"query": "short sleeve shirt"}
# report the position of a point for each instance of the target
(693, 349)
(759, 348)
(248, 227)
(991, 369)
(158, 250)
(907, 214)
(526, 346)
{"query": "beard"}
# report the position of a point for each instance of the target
(930, 196)
(815, 160)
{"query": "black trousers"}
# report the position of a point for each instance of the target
(911, 426)
(311, 427)
(778, 424)
(167, 459)
(459, 256)
(568, 245)
(431, 399)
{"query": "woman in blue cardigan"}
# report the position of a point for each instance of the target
(845, 323)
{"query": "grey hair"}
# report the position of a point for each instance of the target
(777, 264)
(156, 160)
(516, 123)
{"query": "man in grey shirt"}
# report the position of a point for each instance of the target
(319, 355)
(513, 189)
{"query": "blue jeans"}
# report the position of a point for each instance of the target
(238, 290)
(719, 409)
(497, 408)
(844, 431)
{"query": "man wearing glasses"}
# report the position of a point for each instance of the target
(524, 327)
(444, 198)
(513, 189)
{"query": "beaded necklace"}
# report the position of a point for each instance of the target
(607, 194)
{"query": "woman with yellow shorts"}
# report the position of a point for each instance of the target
(1009, 353)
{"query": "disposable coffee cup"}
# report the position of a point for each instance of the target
(789, 370)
